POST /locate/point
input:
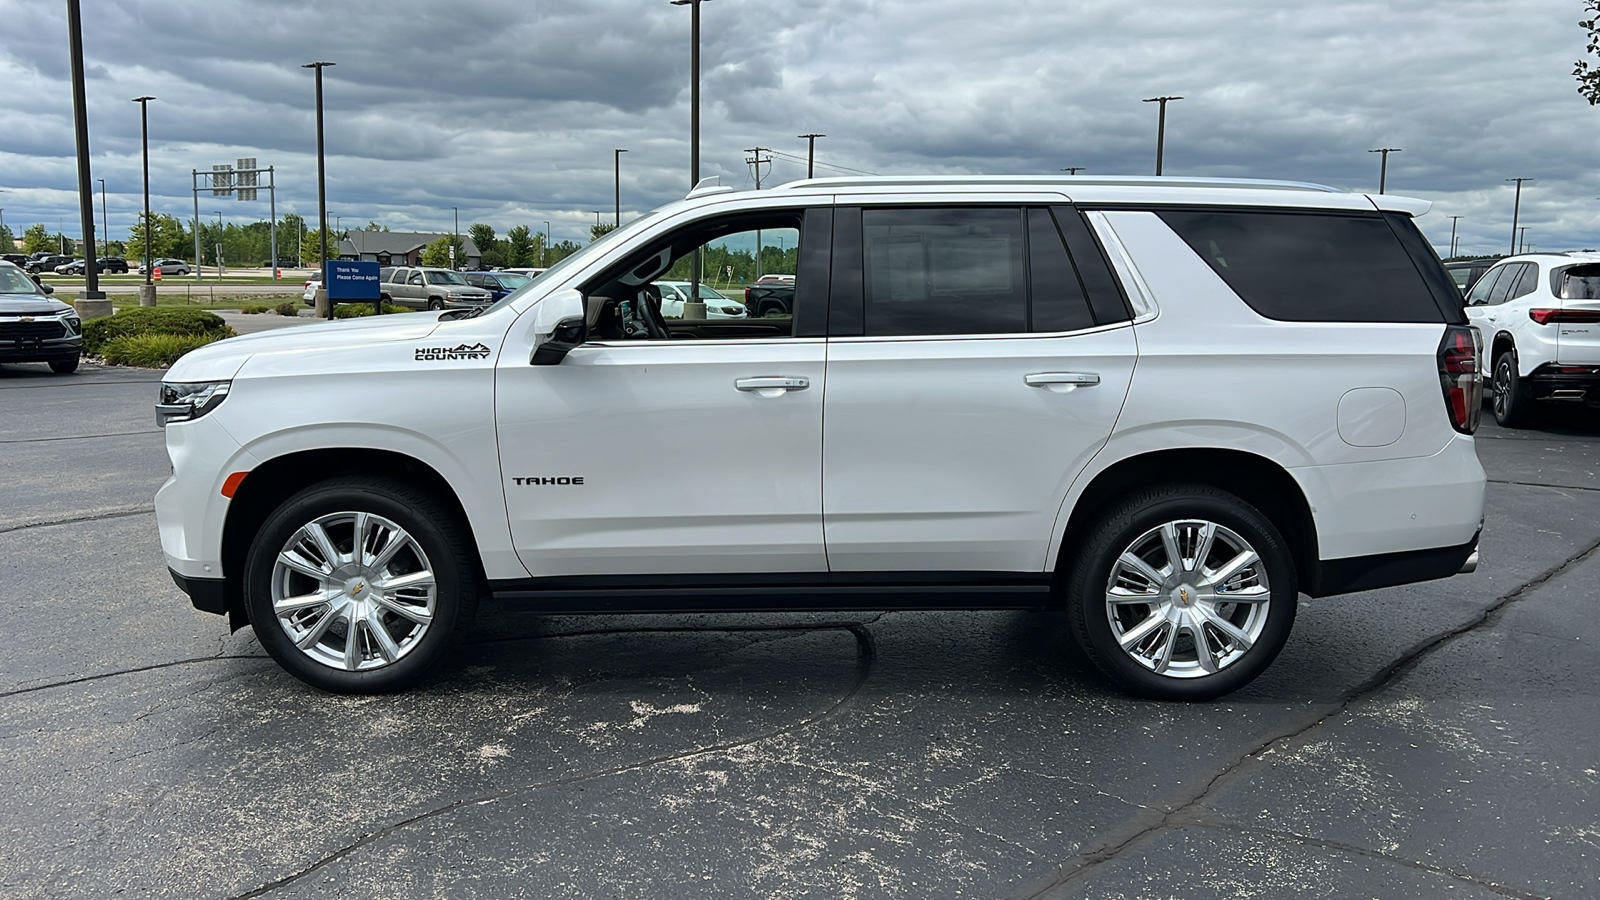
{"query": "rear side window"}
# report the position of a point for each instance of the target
(1579, 283)
(1305, 267)
(1528, 281)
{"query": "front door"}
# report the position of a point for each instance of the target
(670, 446)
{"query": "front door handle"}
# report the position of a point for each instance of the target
(1062, 381)
(771, 385)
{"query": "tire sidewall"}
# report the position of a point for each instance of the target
(1514, 402)
(417, 514)
(1147, 510)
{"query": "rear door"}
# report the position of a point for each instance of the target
(970, 378)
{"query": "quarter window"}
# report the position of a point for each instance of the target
(1525, 284)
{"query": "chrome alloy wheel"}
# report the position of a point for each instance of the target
(1188, 598)
(353, 591)
(1501, 387)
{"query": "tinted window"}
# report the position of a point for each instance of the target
(1059, 303)
(1303, 267)
(1580, 283)
(1479, 295)
(1502, 287)
(943, 271)
(1525, 284)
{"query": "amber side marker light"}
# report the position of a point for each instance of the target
(231, 485)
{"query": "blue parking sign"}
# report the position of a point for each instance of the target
(350, 279)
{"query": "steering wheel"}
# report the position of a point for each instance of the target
(650, 314)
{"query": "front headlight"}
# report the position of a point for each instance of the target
(71, 320)
(190, 400)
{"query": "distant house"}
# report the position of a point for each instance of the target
(400, 248)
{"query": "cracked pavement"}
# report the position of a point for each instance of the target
(1430, 740)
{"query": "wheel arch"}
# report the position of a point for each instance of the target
(1257, 480)
(1502, 342)
(281, 477)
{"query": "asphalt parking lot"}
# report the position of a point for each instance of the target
(1432, 740)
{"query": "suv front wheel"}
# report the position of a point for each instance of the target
(1510, 393)
(1182, 592)
(358, 585)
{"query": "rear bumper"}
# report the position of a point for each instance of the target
(1549, 382)
(1368, 573)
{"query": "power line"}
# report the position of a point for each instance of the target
(821, 165)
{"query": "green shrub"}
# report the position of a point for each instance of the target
(152, 351)
(356, 310)
(286, 308)
(153, 320)
(253, 310)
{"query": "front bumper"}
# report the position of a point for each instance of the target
(40, 349)
(206, 594)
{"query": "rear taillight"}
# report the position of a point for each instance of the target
(1461, 377)
(1546, 316)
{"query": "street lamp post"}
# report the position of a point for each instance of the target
(219, 243)
(454, 234)
(322, 191)
(694, 307)
(147, 291)
(1453, 236)
(105, 221)
(80, 115)
(616, 165)
(1383, 168)
(811, 152)
(1161, 128)
(546, 248)
(1516, 209)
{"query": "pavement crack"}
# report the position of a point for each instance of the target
(1075, 869)
(133, 671)
(866, 655)
(78, 437)
(119, 513)
(1559, 487)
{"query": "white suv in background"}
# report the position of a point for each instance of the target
(1166, 406)
(1540, 318)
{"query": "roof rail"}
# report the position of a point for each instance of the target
(1086, 180)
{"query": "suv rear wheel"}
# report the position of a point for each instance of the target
(358, 585)
(1182, 592)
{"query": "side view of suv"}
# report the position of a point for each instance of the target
(430, 288)
(1540, 318)
(1164, 406)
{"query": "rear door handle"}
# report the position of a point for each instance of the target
(771, 385)
(1062, 381)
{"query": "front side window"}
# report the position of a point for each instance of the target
(1502, 287)
(935, 271)
(1479, 295)
(1526, 283)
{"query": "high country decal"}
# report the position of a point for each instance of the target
(575, 479)
(460, 351)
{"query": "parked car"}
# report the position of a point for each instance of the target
(33, 326)
(675, 293)
(107, 265)
(531, 272)
(284, 262)
(47, 263)
(20, 260)
(498, 284)
(424, 287)
(770, 295)
(169, 266)
(1466, 272)
(1540, 318)
(71, 267)
(1167, 407)
(313, 284)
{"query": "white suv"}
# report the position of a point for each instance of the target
(1166, 406)
(1540, 318)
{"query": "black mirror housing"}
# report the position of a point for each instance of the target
(568, 333)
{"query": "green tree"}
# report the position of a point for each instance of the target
(311, 247)
(438, 252)
(523, 246)
(373, 226)
(37, 238)
(8, 241)
(1589, 75)
(491, 250)
(166, 237)
(596, 232)
(561, 251)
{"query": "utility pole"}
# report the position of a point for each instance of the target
(1453, 235)
(1522, 245)
(811, 152)
(1383, 167)
(1516, 209)
(616, 165)
(80, 117)
(322, 190)
(1073, 170)
(1161, 128)
(755, 161)
(546, 248)
(147, 292)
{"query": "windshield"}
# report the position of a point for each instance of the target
(706, 293)
(445, 278)
(13, 281)
(576, 260)
(512, 282)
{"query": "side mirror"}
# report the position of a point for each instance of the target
(559, 326)
(47, 289)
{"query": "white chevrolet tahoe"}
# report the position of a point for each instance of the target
(1166, 406)
(1540, 318)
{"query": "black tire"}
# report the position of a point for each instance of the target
(446, 550)
(1511, 402)
(1126, 527)
(435, 303)
(64, 366)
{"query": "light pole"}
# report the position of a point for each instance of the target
(219, 242)
(1161, 128)
(1073, 170)
(694, 308)
(1453, 236)
(105, 221)
(454, 233)
(80, 116)
(811, 152)
(1383, 168)
(1516, 209)
(546, 248)
(322, 190)
(616, 165)
(1522, 245)
(147, 293)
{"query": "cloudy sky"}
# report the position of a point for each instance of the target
(510, 109)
